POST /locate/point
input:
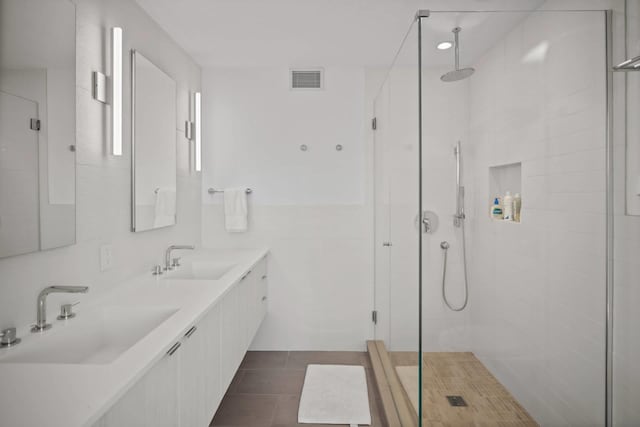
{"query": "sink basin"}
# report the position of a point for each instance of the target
(200, 270)
(97, 338)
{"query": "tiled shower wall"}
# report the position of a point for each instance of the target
(103, 181)
(538, 292)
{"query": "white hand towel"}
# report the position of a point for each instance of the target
(165, 208)
(235, 210)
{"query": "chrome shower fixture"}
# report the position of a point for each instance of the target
(632, 64)
(459, 216)
(458, 222)
(458, 73)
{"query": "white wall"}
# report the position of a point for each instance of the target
(103, 181)
(310, 208)
(257, 124)
(538, 288)
(445, 121)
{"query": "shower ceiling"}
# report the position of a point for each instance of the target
(236, 33)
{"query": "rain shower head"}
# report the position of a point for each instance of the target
(458, 73)
(455, 75)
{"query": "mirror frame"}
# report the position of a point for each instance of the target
(133, 54)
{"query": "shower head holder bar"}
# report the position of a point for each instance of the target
(215, 190)
(632, 64)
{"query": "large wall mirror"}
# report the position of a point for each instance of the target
(37, 125)
(154, 145)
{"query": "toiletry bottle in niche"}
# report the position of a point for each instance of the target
(507, 206)
(517, 206)
(496, 209)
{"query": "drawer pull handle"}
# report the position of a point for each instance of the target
(264, 298)
(191, 331)
(174, 348)
(264, 277)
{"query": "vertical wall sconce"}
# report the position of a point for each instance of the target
(116, 91)
(198, 130)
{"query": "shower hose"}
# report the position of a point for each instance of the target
(445, 248)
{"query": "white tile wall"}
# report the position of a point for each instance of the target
(320, 288)
(103, 181)
(445, 121)
(538, 298)
(310, 208)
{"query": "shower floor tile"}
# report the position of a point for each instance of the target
(460, 374)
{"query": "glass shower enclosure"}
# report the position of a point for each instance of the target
(492, 170)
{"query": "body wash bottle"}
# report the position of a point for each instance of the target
(496, 209)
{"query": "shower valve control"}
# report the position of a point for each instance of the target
(429, 222)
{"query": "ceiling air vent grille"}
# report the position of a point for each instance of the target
(305, 79)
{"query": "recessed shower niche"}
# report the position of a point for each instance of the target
(502, 179)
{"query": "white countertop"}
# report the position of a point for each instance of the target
(69, 395)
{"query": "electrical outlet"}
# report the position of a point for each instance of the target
(106, 257)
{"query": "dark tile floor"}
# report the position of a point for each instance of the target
(266, 390)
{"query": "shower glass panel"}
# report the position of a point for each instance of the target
(523, 112)
(491, 218)
(397, 235)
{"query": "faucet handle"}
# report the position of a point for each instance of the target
(66, 311)
(175, 262)
(9, 337)
(157, 270)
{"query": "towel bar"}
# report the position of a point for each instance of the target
(213, 191)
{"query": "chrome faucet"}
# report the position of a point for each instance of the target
(167, 254)
(41, 323)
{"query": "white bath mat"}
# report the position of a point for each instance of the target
(335, 394)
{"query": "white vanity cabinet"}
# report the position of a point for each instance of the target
(241, 312)
(199, 380)
(210, 372)
(152, 401)
(229, 336)
(186, 386)
(257, 297)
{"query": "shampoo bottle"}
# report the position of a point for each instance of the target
(517, 206)
(507, 203)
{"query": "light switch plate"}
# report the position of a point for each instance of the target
(99, 87)
(106, 257)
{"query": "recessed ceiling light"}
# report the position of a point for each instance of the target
(444, 45)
